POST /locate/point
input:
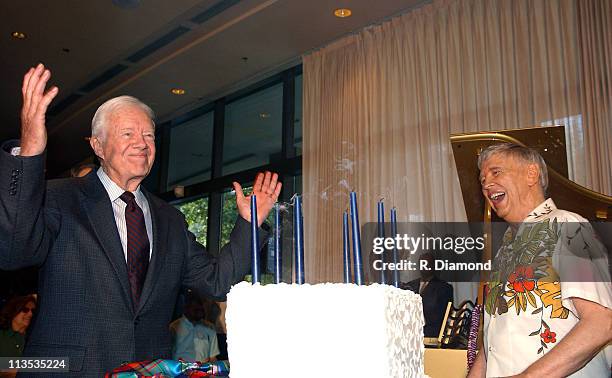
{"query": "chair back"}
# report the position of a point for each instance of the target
(455, 330)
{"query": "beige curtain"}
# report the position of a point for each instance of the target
(379, 106)
(595, 41)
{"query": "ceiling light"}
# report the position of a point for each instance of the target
(264, 115)
(343, 12)
(178, 91)
(18, 35)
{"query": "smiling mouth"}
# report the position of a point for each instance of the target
(497, 197)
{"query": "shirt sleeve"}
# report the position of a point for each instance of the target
(214, 345)
(583, 265)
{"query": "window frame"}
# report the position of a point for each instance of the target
(288, 166)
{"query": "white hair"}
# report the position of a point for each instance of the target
(525, 154)
(101, 118)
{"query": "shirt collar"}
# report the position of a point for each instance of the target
(544, 208)
(114, 191)
(187, 322)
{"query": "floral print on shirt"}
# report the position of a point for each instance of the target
(523, 273)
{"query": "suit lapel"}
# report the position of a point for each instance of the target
(100, 213)
(160, 236)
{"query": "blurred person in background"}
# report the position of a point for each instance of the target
(193, 334)
(15, 319)
(436, 294)
(222, 331)
(82, 170)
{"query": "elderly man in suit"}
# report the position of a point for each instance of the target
(112, 256)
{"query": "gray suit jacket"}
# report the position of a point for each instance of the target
(85, 311)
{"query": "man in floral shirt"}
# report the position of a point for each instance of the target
(549, 299)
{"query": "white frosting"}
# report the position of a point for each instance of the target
(326, 330)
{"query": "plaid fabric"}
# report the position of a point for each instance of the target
(170, 368)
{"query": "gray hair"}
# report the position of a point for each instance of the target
(525, 154)
(101, 118)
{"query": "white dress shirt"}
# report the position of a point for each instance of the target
(114, 192)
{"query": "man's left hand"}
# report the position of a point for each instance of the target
(266, 189)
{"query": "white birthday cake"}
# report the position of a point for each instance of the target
(325, 330)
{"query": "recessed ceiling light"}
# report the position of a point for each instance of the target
(178, 91)
(264, 115)
(343, 12)
(18, 35)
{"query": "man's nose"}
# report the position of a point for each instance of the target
(140, 142)
(485, 180)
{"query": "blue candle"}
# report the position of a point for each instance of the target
(381, 233)
(298, 232)
(254, 242)
(356, 240)
(394, 234)
(345, 248)
(277, 245)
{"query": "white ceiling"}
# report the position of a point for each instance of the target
(79, 40)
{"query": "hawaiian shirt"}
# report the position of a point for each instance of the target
(552, 256)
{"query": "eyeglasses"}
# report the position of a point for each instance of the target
(25, 310)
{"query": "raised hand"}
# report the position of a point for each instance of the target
(35, 104)
(266, 189)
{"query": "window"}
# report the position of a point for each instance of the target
(196, 214)
(574, 143)
(297, 121)
(151, 182)
(253, 130)
(229, 213)
(190, 159)
(252, 125)
(298, 184)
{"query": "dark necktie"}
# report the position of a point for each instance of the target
(137, 246)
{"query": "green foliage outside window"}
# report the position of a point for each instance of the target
(196, 214)
(230, 212)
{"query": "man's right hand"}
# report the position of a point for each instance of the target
(35, 103)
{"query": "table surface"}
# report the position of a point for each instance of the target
(446, 363)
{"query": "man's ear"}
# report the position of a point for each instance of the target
(533, 174)
(96, 146)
